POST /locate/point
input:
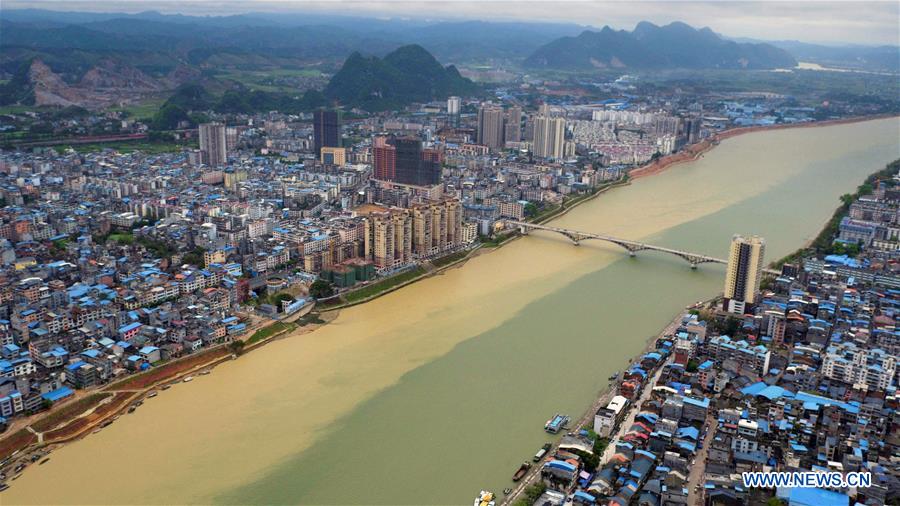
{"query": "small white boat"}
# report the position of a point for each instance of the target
(485, 498)
(189, 378)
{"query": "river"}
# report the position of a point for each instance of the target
(440, 389)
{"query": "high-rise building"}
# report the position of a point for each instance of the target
(334, 156)
(388, 238)
(437, 227)
(212, 144)
(453, 107)
(513, 124)
(490, 126)
(385, 158)
(745, 269)
(404, 161)
(549, 137)
(326, 130)
(692, 130)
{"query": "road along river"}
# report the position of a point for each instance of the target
(440, 389)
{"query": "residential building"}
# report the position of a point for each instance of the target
(744, 273)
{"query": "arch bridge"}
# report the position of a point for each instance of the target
(632, 247)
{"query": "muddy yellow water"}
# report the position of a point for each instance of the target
(433, 392)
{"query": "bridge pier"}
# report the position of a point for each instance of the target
(632, 247)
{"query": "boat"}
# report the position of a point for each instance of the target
(507, 491)
(557, 423)
(614, 377)
(44, 461)
(166, 387)
(3, 486)
(523, 469)
(189, 378)
(485, 498)
(543, 451)
(204, 373)
(152, 394)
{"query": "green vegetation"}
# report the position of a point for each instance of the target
(270, 330)
(676, 45)
(121, 237)
(69, 411)
(449, 259)
(18, 90)
(600, 443)
(189, 99)
(809, 86)
(493, 242)
(278, 298)
(382, 286)
(321, 289)
(144, 109)
(236, 346)
(824, 243)
(194, 257)
(729, 326)
(531, 494)
(270, 80)
(406, 75)
(310, 318)
(590, 460)
(58, 247)
(159, 248)
(149, 147)
(692, 364)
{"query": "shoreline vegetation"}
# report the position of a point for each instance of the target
(822, 242)
(93, 409)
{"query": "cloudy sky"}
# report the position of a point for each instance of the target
(858, 22)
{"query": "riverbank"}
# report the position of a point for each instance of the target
(94, 409)
(183, 366)
(695, 151)
(602, 400)
(826, 234)
(319, 419)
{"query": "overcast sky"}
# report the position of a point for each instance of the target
(848, 21)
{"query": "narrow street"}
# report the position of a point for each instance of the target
(698, 468)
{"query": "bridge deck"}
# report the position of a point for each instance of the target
(632, 246)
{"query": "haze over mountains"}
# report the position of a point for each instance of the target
(99, 59)
(676, 45)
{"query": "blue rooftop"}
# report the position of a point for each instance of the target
(59, 393)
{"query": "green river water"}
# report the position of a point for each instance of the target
(441, 389)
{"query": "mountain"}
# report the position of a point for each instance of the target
(107, 83)
(408, 74)
(648, 46)
(869, 58)
(72, 41)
